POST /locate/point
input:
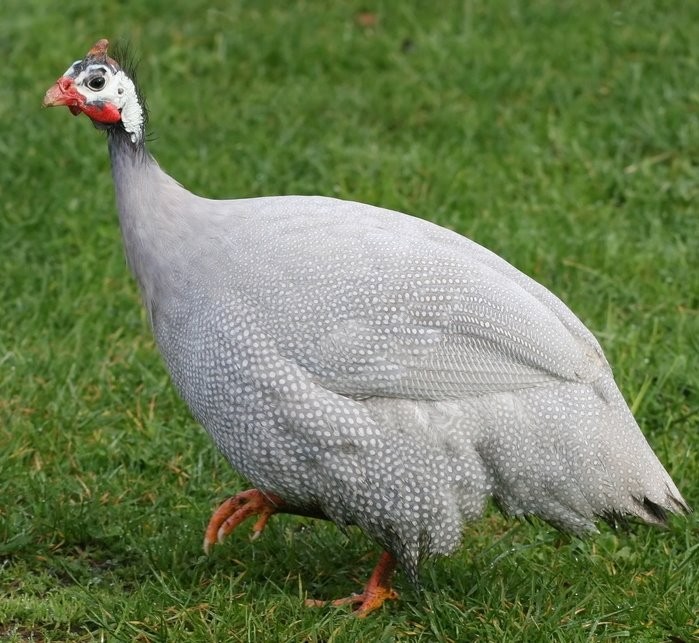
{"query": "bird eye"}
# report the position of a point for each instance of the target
(96, 83)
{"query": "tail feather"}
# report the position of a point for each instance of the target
(677, 504)
(574, 456)
(651, 512)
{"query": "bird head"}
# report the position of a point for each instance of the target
(98, 87)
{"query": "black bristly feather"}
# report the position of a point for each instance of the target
(123, 53)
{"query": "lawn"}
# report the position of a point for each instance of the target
(562, 135)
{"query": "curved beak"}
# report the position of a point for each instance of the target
(63, 92)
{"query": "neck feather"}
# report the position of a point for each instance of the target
(153, 213)
(123, 149)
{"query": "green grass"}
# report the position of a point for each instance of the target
(562, 135)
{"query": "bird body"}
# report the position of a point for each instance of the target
(370, 367)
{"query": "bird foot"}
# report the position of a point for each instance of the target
(365, 603)
(237, 509)
(376, 592)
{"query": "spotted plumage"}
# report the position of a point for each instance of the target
(366, 366)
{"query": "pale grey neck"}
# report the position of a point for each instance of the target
(154, 215)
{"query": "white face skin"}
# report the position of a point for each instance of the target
(99, 82)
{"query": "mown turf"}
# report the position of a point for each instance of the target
(562, 135)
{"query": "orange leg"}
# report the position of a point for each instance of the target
(377, 590)
(238, 508)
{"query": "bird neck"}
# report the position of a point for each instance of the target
(123, 146)
(153, 215)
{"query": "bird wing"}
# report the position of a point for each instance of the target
(443, 338)
(399, 307)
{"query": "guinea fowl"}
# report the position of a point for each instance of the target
(365, 366)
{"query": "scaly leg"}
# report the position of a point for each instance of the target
(377, 590)
(238, 508)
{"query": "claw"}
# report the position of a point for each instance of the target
(253, 502)
(376, 592)
(235, 510)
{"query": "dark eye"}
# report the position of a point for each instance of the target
(96, 83)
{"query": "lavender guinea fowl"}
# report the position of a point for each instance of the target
(365, 366)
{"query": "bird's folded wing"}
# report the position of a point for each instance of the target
(450, 338)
